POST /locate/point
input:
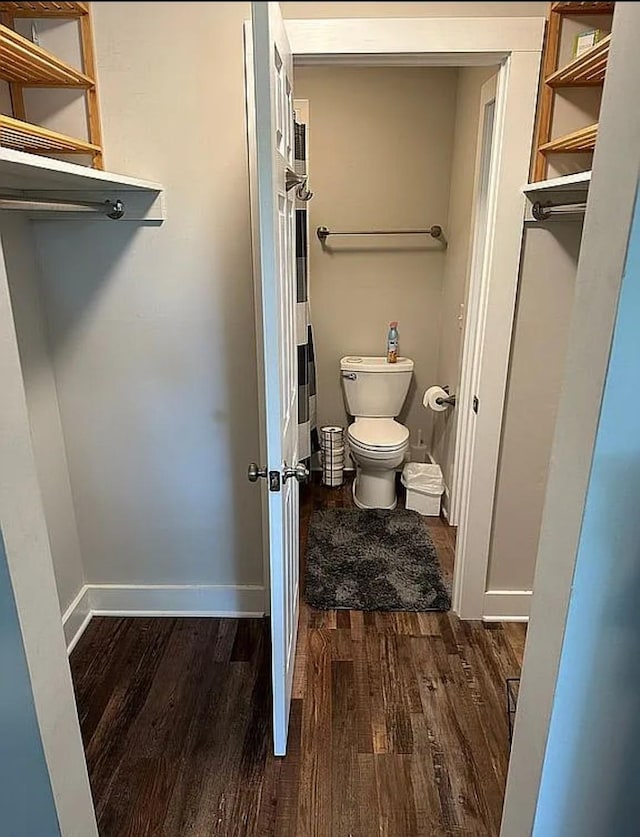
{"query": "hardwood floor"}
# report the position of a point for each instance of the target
(398, 724)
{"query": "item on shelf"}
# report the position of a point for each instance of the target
(585, 40)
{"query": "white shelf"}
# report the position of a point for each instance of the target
(573, 183)
(29, 175)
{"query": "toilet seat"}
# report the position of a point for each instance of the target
(382, 435)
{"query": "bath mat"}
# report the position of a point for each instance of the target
(362, 559)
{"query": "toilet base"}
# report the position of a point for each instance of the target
(375, 489)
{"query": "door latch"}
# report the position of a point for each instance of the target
(476, 404)
(274, 480)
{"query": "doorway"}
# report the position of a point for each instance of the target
(397, 150)
(271, 52)
(391, 676)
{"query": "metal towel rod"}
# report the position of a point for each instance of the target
(548, 211)
(434, 231)
(112, 209)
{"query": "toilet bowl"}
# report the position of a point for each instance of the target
(378, 446)
(374, 392)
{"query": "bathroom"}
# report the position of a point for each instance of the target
(390, 148)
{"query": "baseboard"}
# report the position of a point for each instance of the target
(177, 600)
(231, 601)
(506, 606)
(76, 618)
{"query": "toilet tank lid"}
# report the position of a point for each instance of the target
(352, 363)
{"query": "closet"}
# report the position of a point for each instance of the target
(566, 133)
(48, 203)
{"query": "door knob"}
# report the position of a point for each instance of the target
(300, 472)
(254, 472)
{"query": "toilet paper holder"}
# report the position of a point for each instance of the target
(450, 400)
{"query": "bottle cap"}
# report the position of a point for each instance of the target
(394, 324)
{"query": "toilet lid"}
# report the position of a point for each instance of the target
(378, 433)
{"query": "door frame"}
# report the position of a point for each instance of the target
(611, 208)
(515, 44)
(475, 311)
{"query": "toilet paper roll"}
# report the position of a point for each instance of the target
(430, 397)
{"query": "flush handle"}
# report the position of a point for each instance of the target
(350, 376)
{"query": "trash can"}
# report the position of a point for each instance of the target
(425, 487)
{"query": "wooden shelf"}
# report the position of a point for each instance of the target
(582, 8)
(23, 136)
(45, 9)
(26, 63)
(585, 70)
(577, 141)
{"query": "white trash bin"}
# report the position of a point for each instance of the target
(425, 487)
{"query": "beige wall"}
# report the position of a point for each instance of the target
(152, 328)
(454, 286)
(380, 157)
(42, 402)
(545, 301)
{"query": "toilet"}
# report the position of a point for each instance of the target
(374, 393)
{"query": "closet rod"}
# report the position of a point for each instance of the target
(434, 231)
(112, 209)
(545, 212)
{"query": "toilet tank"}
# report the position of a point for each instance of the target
(374, 388)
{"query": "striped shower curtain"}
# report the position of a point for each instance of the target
(307, 427)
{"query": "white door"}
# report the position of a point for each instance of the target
(470, 569)
(274, 258)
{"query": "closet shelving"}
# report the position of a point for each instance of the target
(586, 70)
(584, 139)
(24, 136)
(26, 64)
(33, 180)
(571, 189)
(36, 178)
(578, 183)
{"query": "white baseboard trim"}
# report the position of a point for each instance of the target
(76, 618)
(231, 601)
(177, 600)
(506, 606)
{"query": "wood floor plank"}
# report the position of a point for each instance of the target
(429, 814)
(314, 813)
(396, 701)
(362, 697)
(396, 805)
(345, 788)
(288, 790)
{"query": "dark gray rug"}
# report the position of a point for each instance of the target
(372, 560)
